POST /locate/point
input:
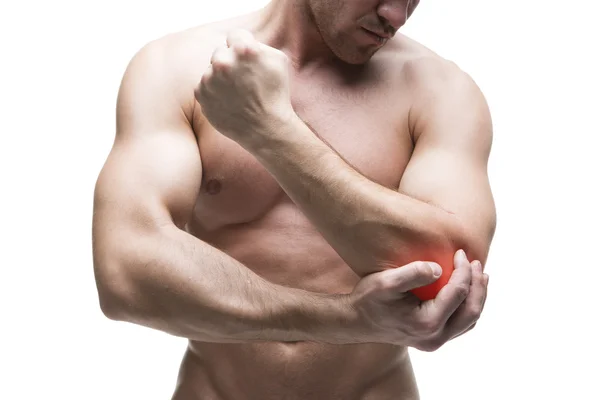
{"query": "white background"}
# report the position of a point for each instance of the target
(536, 61)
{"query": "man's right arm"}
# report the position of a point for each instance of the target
(148, 270)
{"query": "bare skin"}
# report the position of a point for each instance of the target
(203, 237)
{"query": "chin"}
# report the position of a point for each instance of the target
(354, 54)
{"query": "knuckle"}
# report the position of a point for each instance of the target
(462, 290)
(221, 56)
(240, 49)
(222, 67)
(421, 271)
(428, 326)
(423, 268)
(385, 283)
(436, 345)
(420, 346)
(221, 63)
(379, 284)
(474, 312)
(429, 346)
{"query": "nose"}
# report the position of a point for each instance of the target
(394, 13)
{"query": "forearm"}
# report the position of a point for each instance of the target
(188, 288)
(372, 227)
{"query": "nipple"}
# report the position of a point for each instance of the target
(213, 186)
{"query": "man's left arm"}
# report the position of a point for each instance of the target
(444, 201)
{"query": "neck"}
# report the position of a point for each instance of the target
(289, 26)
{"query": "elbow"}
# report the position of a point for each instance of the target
(112, 300)
(114, 292)
(475, 243)
(112, 303)
(443, 236)
(120, 261)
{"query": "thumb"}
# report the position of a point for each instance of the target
(415, 275)
(243, 43)
(240, 37)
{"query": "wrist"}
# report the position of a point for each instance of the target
(319, 317)
(273, 131)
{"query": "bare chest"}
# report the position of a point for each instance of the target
(365, 125)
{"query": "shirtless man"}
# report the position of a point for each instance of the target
(277, 183)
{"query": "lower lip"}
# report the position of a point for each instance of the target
(375, 38)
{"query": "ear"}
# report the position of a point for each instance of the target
(411, 7)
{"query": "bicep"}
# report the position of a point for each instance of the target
(150, 181)
(448, 167)
(153, 172)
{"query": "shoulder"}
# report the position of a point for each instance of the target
(191, 45)
(440, 91)
(439, 88)
(426, 73)
(172, 65)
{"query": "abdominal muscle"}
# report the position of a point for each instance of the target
(285, 249)
(295, 371)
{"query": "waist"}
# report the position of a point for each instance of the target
(301, 370)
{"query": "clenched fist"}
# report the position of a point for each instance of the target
(245, 92)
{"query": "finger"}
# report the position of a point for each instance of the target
(219, 54)
(200, 89)
(453, 293)
(486, 279)
(413, 275)
(470, 310)
(222, 59)
(468, 330)
(242, 42)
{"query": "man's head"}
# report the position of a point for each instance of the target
(355, 29)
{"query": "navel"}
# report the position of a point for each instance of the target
(213, 186)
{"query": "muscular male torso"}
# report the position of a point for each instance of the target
(363, 114)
